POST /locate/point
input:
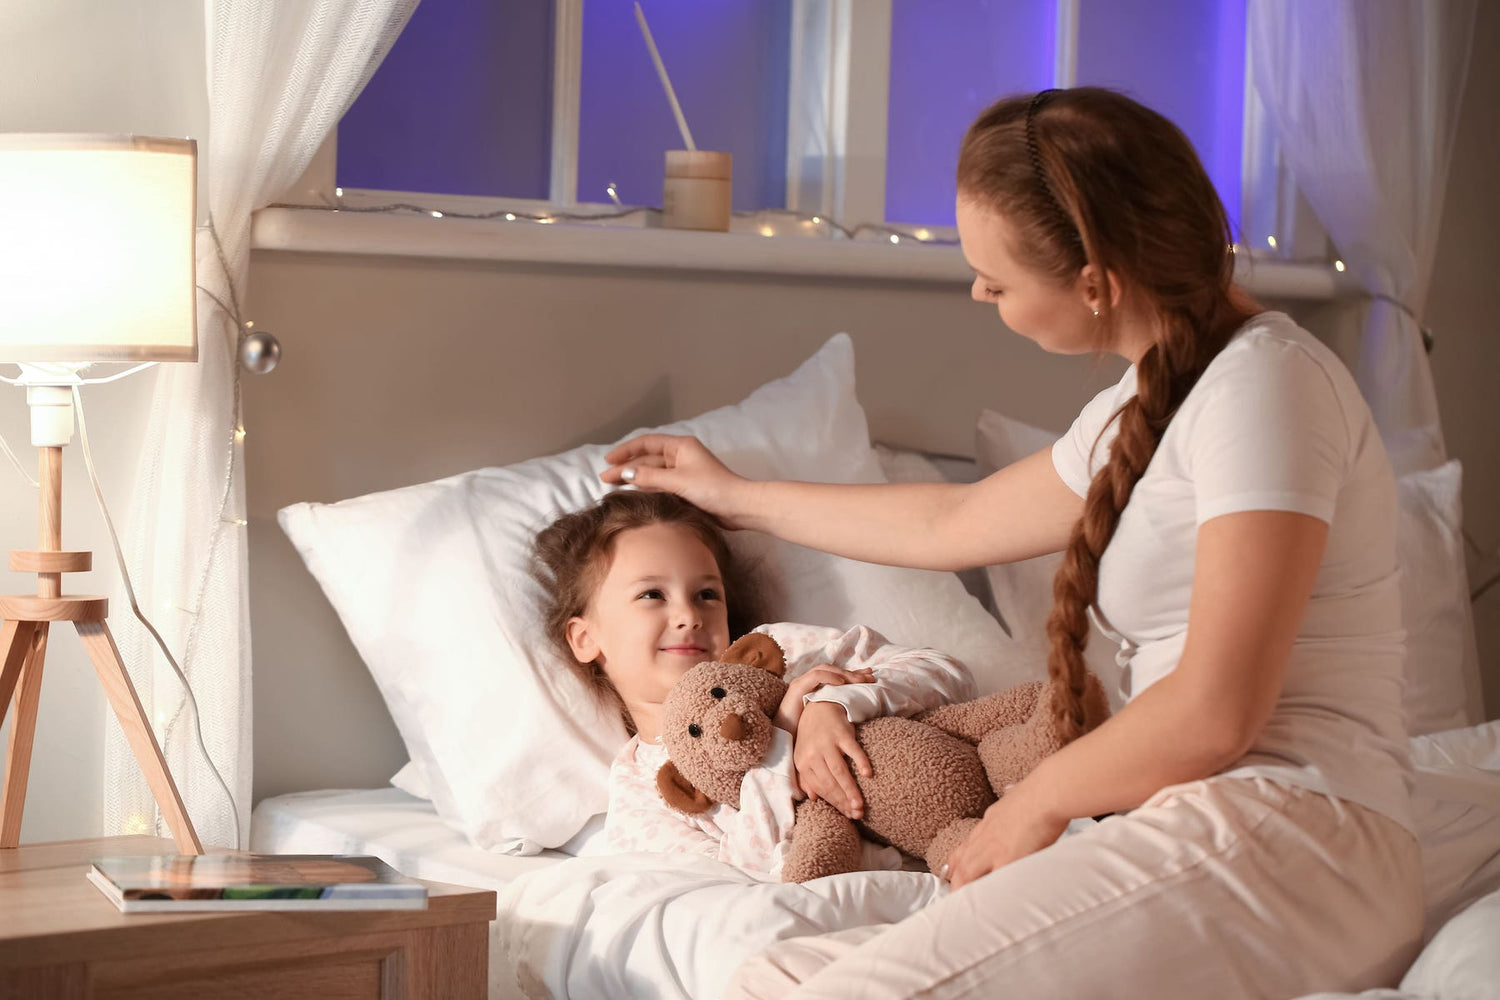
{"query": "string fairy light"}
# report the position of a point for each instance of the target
(763, 221)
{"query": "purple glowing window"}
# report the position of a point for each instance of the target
(728, 60)
(1185, 58)
(461, 104)
(950, 60)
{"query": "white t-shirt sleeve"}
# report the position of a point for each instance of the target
(907, 680)
(1075, 455)
(1269, 432)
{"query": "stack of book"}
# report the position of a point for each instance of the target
(181, 883)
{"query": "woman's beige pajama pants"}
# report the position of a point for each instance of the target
(1221, 888)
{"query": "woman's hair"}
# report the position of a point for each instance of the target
(1086, 176)
(571, 556)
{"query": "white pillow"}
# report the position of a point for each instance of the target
(1461, 962)
(1455, 805)
(431, 581)
(1442, 662)
(1022, 590)
(902, 465)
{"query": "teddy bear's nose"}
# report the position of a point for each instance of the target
(732, 728)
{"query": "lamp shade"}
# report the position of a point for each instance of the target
(97, 248)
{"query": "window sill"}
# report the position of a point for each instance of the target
(393, 235)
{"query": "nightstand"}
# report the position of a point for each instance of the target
(60, 937)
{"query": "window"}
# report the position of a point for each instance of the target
(463, 102)
(948, 62)
(849, 109)
(728, 64)
(461, 105)
(1184, 58)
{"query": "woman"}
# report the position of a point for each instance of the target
(1227, 512)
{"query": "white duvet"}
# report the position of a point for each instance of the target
(651, 925)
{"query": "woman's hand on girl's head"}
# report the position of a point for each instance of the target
(674, 464)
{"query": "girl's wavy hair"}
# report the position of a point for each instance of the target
(1087, 176)
(571, 556)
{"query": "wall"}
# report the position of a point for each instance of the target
(1465, 318)
(399, 371)
(85, 66)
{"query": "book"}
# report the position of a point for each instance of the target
(182, 883)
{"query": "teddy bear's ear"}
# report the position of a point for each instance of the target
(755, 649)
(678, 792)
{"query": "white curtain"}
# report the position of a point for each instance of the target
(1363, 96)
(281, 73)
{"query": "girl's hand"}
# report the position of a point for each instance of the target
(824, 749)
(674, 464)
(790, 712)
(1012, 828)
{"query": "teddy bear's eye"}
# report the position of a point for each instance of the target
(717, 692)
(694, 730)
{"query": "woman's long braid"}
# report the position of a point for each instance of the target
(1165, 374)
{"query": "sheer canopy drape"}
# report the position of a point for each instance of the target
(281, 73)
(1364, 96)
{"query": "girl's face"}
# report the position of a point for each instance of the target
(658, 611)
(1058, 317)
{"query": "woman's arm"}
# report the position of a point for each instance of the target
(1253, 575)
(1023, 510)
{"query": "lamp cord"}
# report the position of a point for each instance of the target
(114, 541)
(20, 469)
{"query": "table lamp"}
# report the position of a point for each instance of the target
(96, 264)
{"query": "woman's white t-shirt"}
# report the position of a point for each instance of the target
(1274, 423)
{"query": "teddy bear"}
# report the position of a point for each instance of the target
(931, 779)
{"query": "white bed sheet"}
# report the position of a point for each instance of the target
(403, 831)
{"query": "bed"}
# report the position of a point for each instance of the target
(571, 922)
(358, 660)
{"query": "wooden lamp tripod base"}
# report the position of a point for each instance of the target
(23, 644)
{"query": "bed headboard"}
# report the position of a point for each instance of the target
(398, 371)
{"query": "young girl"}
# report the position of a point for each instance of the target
(1227, 512)
(643, 587)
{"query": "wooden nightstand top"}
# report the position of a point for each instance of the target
(51, 915)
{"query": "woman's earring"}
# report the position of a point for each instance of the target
(1096, 314)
